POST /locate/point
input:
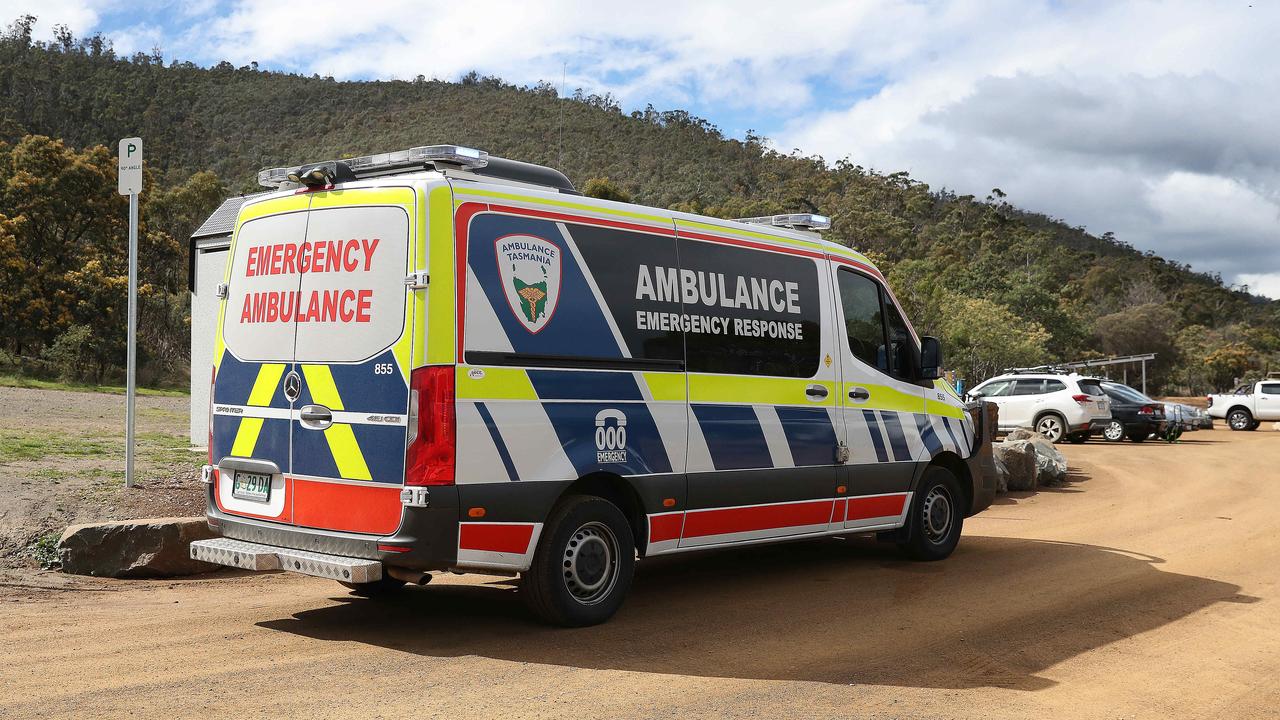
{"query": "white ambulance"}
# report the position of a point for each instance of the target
(439, 360)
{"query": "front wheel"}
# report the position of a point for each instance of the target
(1052, 427)
(936, 517)
(1114, 431)
(1240, 420)
(582, 568)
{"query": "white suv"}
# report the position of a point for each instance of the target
(1058, 406)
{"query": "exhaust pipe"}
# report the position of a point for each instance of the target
(413, 577)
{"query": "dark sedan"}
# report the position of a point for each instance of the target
(1133, 415)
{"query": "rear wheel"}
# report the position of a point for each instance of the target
(936, 517)
(1114, 431)
(1052, 427)
(582, 568)
(378, 588)
(1240, 419)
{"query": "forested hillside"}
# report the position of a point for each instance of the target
(1000, 285)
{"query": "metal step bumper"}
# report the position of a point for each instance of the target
(264, 558)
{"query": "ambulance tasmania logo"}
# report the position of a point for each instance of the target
(530, 270)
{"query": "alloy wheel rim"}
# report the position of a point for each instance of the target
(1239, 421)
(590, 563)
(1114, 431)
(1050, 428)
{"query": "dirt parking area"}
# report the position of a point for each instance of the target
(1146, 588)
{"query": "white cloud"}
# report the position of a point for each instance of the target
(80, 16)
(1262, 283)
(1150, 119)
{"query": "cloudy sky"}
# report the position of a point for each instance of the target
(1154, 120)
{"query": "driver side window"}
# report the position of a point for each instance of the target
(877, 333)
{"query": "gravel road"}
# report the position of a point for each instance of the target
(1147, 588)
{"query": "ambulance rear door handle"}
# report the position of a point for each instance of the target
(815, 391)
(315, 417)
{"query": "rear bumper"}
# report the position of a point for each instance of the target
(267, 558)
(426, 540)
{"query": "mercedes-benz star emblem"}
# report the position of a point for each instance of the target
(292, 386)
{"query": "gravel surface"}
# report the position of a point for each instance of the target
(62, 462)
(1145, 588)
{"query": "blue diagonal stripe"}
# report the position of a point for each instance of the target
(897, 438)
(497, 441)
(870, 417)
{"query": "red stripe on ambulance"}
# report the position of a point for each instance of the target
(495, 537)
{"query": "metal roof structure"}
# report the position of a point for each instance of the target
(223, 220)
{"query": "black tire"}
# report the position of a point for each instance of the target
(1077, 438)
(382, 587)
(582, 569)
(1137, 436)
(933, 530)
(1052, 426)
(1255, 425)
(1240, 419)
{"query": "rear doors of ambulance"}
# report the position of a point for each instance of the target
(310, 397)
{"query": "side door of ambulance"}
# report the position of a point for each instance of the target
(884, 421)
(763, 433)
(353, 355)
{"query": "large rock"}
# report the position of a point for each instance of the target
(1051, 464)
(1019, 459)
(158, 547)
(1002, 475)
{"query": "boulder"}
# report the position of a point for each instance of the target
(1023, 434)
(158, 547)
(1002, 475)
(1019, 460)
(1051, 464)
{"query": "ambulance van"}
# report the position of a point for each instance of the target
(437, 360)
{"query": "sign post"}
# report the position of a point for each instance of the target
(130, 183)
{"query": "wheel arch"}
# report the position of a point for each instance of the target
(954, 464)
(617, 490)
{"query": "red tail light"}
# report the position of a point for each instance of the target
(432, 456)
(1147, 410)
(1082, 399)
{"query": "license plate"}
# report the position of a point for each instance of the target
(1102, 405)
(251, 486)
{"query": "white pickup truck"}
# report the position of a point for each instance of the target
(1248, 405)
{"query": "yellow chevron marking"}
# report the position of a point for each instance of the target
(933, 407)
(341, 438)
(246, 437)
(346, 452)
(264, 386)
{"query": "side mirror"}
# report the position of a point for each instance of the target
(930, 358)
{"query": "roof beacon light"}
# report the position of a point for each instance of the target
(313, 174)
(453, 154)
(805, 221)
